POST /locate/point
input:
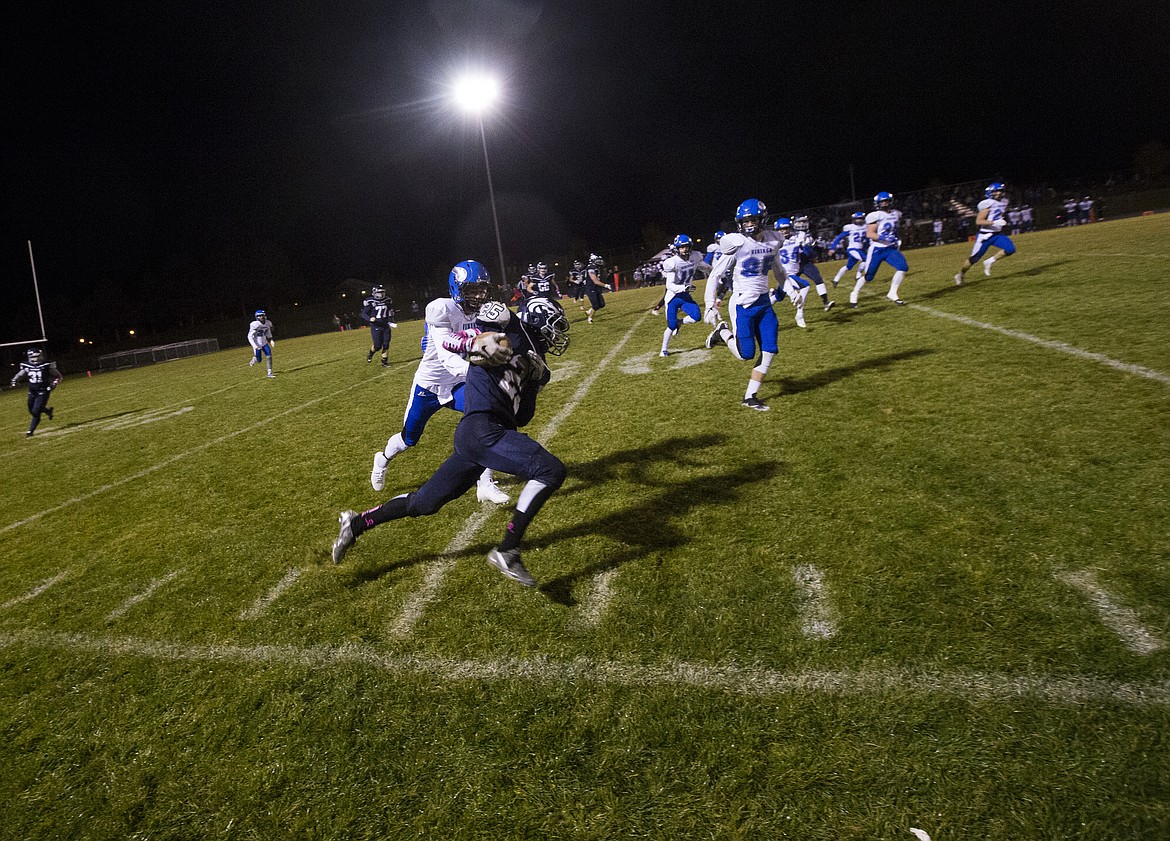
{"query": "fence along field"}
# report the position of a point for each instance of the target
(927, 589)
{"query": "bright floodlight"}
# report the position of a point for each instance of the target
(475, 93)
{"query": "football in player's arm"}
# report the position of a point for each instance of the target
(506, 372)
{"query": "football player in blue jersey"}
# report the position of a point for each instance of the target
(440, 377)
(376, 312)
(856, 243)
(260, 338)
(593, 286)
(679, 269)
(507, 371)
(992, 219)
(881, 228)
(747, 259)
(42, 377)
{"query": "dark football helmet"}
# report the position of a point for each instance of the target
(548, 319)
(35, 356)
(542, 269)
(379, 293)
(470, 285)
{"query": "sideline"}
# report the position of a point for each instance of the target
(1136, 370)
(733, 679)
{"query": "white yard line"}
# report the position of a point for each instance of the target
(816, 613)
(264, 602)
(986, 687)
(1136, 370)
(1117, 617)
(596, 602)
(437, 570)
(144, 595)
(35, 591)
(169, 461)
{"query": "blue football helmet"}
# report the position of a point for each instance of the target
(750, 216)
(783, 224)
(994, 190)
(720, 235)
(548, 319)
(883, 200)
(682, 244)
(261, 315)
(858, 217)
(470, 285)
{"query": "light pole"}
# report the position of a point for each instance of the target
(474, 94)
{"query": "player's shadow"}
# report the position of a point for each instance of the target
(632, 465)
(792, 385)
(91, 421)
(650, 527)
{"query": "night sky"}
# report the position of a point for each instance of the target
(315, 141)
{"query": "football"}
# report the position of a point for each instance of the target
(490, 349)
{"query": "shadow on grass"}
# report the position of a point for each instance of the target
(91, 421)
(790, 385)
(644, 527)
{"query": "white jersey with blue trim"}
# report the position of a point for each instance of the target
(792, 253)
(259, 333)
(887, 225)
(679, 273)
(855, 237)
(996, 208)
(441, 370)
(749, 262)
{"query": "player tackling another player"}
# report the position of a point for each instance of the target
(505, 353)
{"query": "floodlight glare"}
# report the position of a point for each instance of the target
(474, 93)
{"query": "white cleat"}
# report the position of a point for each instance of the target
(378, 474)
(987, 267)
(959, 279)
(345, 536)
(800, 318)
(665, 353)
(490, 492)
(271, 375)
(251, 362)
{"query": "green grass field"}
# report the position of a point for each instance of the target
(930, 588)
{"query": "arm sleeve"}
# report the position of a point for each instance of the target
(453, 362)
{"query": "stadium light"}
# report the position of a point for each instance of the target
(475, 93)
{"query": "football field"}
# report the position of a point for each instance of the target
(929, 589)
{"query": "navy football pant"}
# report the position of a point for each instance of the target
(479, 442)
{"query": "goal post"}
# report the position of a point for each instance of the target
(40, 313)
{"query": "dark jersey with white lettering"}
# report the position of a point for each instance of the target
(376, 312)
(507, 393)
(544, 287)
(41, 376)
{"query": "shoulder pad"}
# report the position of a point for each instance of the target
(731, 243)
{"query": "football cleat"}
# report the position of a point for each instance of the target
(251, 362)
(959, 279)
(370, 356)
(271, 375)
(829, 305)
(800, 322)
(987, 266)
(509, 563)
(896, 300)
(716, 335)
(665, 353)
(345, 537)
(489, 491)
(49, 412)
(378, 474)
(852, 305)
(754, 402)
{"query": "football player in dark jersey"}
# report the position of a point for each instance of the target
(376, 312)
(593, 286)
(499, 398)
(543, 284)
(42, 376)
(577, 282)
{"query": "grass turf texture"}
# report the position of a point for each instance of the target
(179, 659)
